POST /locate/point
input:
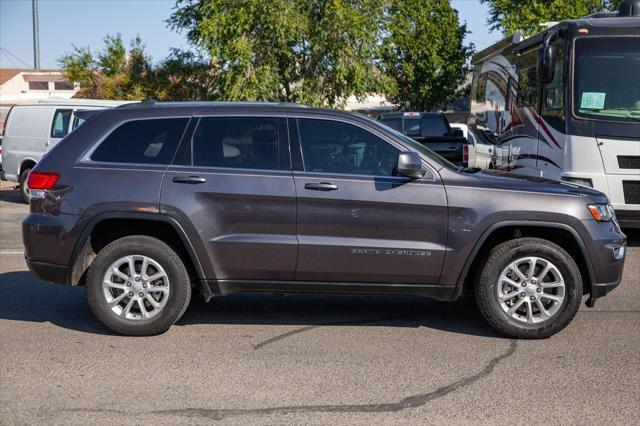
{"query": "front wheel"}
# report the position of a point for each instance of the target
(529, 288)
(138, 286)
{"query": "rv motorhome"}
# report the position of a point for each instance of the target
(565, 104)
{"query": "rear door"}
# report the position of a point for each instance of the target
(231, 185)
(357, 222)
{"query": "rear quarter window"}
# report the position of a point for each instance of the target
(152, 141)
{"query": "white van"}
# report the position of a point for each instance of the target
(31, 130)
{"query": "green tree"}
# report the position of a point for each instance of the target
(424, 52)
(113, 73)
(508, 16)
(186, 76)
(317, 52)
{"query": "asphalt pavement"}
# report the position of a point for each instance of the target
(281, 359)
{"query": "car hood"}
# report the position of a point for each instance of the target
(509, 181)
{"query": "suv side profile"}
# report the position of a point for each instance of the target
(146, 202)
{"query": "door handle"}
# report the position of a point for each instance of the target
(191, 180)
(322, 186)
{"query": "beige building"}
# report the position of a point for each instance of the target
(23, 85)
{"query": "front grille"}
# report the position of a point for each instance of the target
(631, 189)
(629, 161)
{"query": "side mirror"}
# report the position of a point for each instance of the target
(410, 165)
(546, 62)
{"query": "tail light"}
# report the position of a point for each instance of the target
(42, 181)
(465, 154)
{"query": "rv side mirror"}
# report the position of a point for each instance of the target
(546, 65)
(410, 165)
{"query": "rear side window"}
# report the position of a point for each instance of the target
(433, 126)
(60, 125)
(237, 142)
(142, 142)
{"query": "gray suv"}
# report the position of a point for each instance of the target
(145, 203)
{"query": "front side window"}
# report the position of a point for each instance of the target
(152, 141)
(336, 147)
(237, 142)
(606, 78)
(60, 125)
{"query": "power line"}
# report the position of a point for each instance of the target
(9, 58)
(7, 53)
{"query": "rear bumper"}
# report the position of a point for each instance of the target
(48, 271)
(628, 218)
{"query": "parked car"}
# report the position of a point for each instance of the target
(32, 130)
(145, 202)
(480, 155)
(431, 129)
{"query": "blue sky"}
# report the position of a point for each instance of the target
(85, 22)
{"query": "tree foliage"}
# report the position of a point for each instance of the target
(424, 52)
(314, 52)
(508, 16)
(113, 73)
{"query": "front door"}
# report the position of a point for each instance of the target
(357, 222)
(232, 182)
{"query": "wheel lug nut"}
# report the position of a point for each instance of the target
(533, 298)
(522, 294)
(539, 290)
(128, 284)
(144, 285)
(130, 294)
(137, 278)
(523, 284)
(141, 294)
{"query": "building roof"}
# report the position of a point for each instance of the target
(7, 74)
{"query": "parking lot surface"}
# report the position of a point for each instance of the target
(281, 359)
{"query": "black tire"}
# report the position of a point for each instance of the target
(500, 258)
(180, 286)
(22, 185)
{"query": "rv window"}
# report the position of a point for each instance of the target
(553, 92)
(528, 79)
(481, 88)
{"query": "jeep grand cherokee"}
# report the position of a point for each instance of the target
(146, 202)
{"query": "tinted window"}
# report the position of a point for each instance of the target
(433, 126)
(142, 142)
(528, 79)
(335, 147)
(240, 142)
(77, 122)
(60, 125)
(393, 122)
(38, 85)
(412, 126)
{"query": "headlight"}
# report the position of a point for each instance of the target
(578, 181)
(602, 212)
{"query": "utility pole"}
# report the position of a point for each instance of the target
(36, 34)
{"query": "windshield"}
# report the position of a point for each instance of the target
(606, 78)
(417, 146)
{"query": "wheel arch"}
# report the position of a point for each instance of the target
(26, 163)
(120, 224)
(506, 230)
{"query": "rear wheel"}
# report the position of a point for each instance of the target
(529, 288)
(22, 185)
(138, 286)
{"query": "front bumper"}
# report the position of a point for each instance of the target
(48, 271)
